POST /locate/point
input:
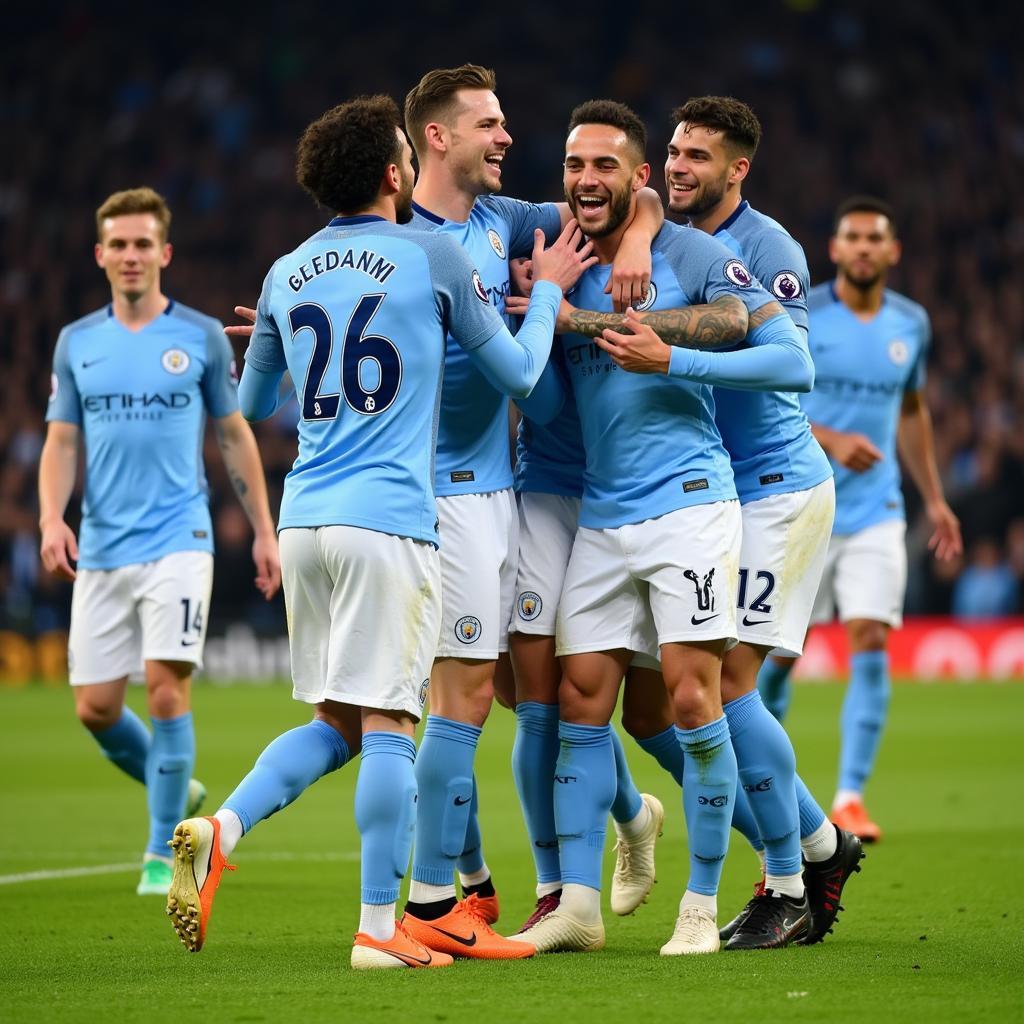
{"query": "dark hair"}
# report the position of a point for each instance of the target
(342, 156)
(617, 115)
(865, 204)
(733, 118)
(433, 97)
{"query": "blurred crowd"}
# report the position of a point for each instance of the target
(919, 103)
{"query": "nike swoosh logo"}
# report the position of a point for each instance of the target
(470, 942)
(462, 803)
(754, 622)
(92, 362)
(694, 621)
(406, 958)
(189, 643)
(168, 771)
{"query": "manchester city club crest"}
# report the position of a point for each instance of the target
(648, 300)
(786, 286)
(424, 686)
(898, 351)
(467, 629)
(530, 605)
(496, 243)
(738, 274)
(175, 361)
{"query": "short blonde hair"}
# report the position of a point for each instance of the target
(134, 200)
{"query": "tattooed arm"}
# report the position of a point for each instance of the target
(716, 324)
(242, 460)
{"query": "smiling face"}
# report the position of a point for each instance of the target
(699, 169)
(132, 251)
(602, 175)
(477, 141)
(864, 248)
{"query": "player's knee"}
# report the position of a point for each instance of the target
(693, 705)
(868, 636)
(641, 723)
(573, 700)
(167, 701)
(95, 716)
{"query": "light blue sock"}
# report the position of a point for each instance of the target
(627, 803)
(172, 754)
(126, 743)
(863, 717)
(444, 777)
(534, 755)
(744, 822)
(471, 859)
(709, 790)
(385, 813)
(812, 817)
(584, 791)
(286, 769)
(766, 766)
(775, 687)
(664, 748)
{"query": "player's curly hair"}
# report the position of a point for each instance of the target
(342, 156)
(617, 115)
(733, 118)
(865, 204)
(433, 97)
(134, 200)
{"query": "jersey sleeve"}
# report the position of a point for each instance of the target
(266, 349)
(706, 270)
(781, 266)
(466, 310)
(918, 372)
(220, 380)
(522, 219)
(65, 404)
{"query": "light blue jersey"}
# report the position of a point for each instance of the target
(766, 432)
(140, 399)
(862, 371)
(549, 456)
(472, 436)
(651, 442)
(358, 315)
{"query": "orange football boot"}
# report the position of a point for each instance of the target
(401, 950)
(464, 932)
(198, 865)
(852, 817)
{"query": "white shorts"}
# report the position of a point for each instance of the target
(785, 539)
(150, 611)
(865, 576)
(547, 529)
(670, 579)
(479, 555)
(363, 610)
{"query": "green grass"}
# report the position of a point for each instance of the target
(933, 931)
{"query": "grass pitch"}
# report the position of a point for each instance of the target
(934, 929)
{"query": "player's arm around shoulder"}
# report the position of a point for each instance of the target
(242, 460)
(58, 467)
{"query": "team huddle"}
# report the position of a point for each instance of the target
(693, 419)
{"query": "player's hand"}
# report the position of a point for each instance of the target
(638, 351)
(268, 564)
(59, 549)
(631, 273)
(242, 330)
(945, 541)
(520, 271)
(854, 451)
(564, 261)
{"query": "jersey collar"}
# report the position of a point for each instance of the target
(362, 218)
(733, 217)
(424, 212)
(166, 312)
